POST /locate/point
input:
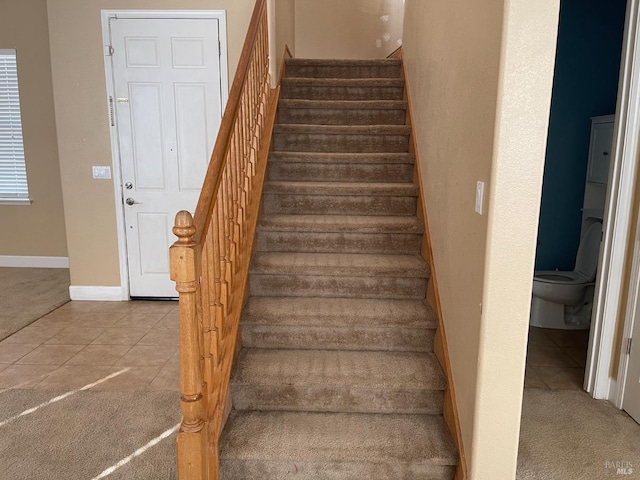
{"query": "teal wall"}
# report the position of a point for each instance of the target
(585, 85)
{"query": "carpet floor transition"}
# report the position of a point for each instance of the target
(566, 435)
(26, 294)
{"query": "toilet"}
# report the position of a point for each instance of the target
(563, 300)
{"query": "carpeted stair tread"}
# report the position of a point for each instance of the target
(360, 89)
(343, 129)
(364, 370)
(337, 381)
(341, 112)
(330, 439)
(350, 189)
(338, 324)
(298, 67)
(341, 158)
(341, 223)
(344, 104)
(351, 83)
(347, 172)
(341, 62)
(339, 265)
(339, 312)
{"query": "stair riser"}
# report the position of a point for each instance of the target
(338, 338)
(338, 205)
(336, 158)
(331, 286)
(295, 469)
(338, 242)
(344, 71)
(344, 143)
(317, 116)
(318, 398)
(325, 92)
(334, 172)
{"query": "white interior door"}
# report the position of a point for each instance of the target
(631, 400)
(168, 108)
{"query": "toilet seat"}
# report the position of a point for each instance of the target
(560, 278)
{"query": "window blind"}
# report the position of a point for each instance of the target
(13, 173)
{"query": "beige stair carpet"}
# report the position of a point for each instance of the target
(337, 378)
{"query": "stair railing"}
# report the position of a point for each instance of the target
(210, 259)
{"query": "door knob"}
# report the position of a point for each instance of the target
(130, 201)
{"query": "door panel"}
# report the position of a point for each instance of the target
(191, 130)
(168, 110)
(153, 244)
(147, 135)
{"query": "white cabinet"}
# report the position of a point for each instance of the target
(600, 153)
(600, 148)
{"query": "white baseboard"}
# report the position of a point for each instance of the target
(103, 294)
(33, 262)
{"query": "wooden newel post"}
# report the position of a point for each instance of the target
(185, 271)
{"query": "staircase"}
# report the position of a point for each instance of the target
(337, 378)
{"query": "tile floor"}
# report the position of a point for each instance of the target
(555, 359)
(82, 342)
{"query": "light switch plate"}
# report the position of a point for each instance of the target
(101, 173)
(479, 197)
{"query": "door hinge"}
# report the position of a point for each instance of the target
(629, 340)
(108, 51)
(219, 49)
(111, 116)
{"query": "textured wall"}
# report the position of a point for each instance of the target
(348, 28)
(480, 76)
(82, 119)
(37, 229)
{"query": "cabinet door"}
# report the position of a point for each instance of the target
(600, 152)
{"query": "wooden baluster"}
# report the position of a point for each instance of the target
(230, 171)
(237, 194)
(223, 238)
(218, 311)
(185, 265)
(243, 165)
(211, 291)
(233, 180)
(246, 160)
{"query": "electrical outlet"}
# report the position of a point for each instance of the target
(101, 173)
(479, 197)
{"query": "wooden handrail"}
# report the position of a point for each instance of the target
(397, 53)
(216, 164)
(286, 54)
(210, 259)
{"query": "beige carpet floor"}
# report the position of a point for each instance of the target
(566, 435)
(27, 294)
(81, 436)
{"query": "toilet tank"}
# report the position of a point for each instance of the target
(588, 251)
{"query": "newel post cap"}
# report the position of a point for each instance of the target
(184, 264)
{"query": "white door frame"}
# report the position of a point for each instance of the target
(617, 220)
(219, 15)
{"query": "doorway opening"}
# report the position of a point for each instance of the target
(576, 183)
